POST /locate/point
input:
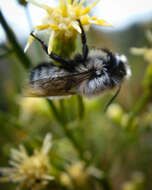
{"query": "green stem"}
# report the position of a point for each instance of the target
(81, 108)
(54, 109)
(14, 43)
(138, 108)
(63, 115)
(74, 142)
(65, 128)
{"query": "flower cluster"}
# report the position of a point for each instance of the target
(136, 183)
(62, 20)
(146, 52)
(29, 171)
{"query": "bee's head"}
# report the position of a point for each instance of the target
(123, 65)
(120, 66)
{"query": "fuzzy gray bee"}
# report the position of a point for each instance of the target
(88, 74)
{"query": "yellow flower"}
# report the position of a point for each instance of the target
(115, 113)
(29, 171)
(137, 182)
(31, 106)
(146, 52)
(79, 174)
(62, 20)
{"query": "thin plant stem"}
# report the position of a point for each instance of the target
(138, 108)
(81, 108)
(25, 61)
(54, 109)
(75, 144)
(63, 115)
(145, 98)
(65, 128)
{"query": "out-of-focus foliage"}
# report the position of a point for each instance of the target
(97, 151)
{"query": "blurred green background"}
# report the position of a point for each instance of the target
(123, 154)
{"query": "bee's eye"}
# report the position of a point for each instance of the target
(121, 67)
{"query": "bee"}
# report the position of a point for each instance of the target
(89, 74)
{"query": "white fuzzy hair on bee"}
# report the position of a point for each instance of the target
(88, 74)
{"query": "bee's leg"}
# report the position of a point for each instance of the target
(85, 49)
(44, 46)
(112, 99)
(65, 63)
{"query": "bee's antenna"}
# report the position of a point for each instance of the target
(112, 99)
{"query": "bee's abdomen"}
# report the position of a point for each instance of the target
(40, 72)
(47, 71)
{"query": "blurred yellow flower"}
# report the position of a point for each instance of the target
(136, 182)
(146, 52)
(62, 20)
(31, 106)
(128, 186)
(77, 173)
(115, 112)
(31, 172)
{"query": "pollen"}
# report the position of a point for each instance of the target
(62, 19)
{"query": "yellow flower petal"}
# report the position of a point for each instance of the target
(139, 51)
(75, 2)
(76, 26)
(94, 18)
(146, 52)
(54, 27)
(78, 11)
(69, 2)
(50, 44)
(86, 10)
(102, 22)
(46, 144)
(30, 40)
(85, 20)
(46, 7)
(64, 8)
(42, 27)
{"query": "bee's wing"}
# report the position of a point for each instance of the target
(53, 81)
